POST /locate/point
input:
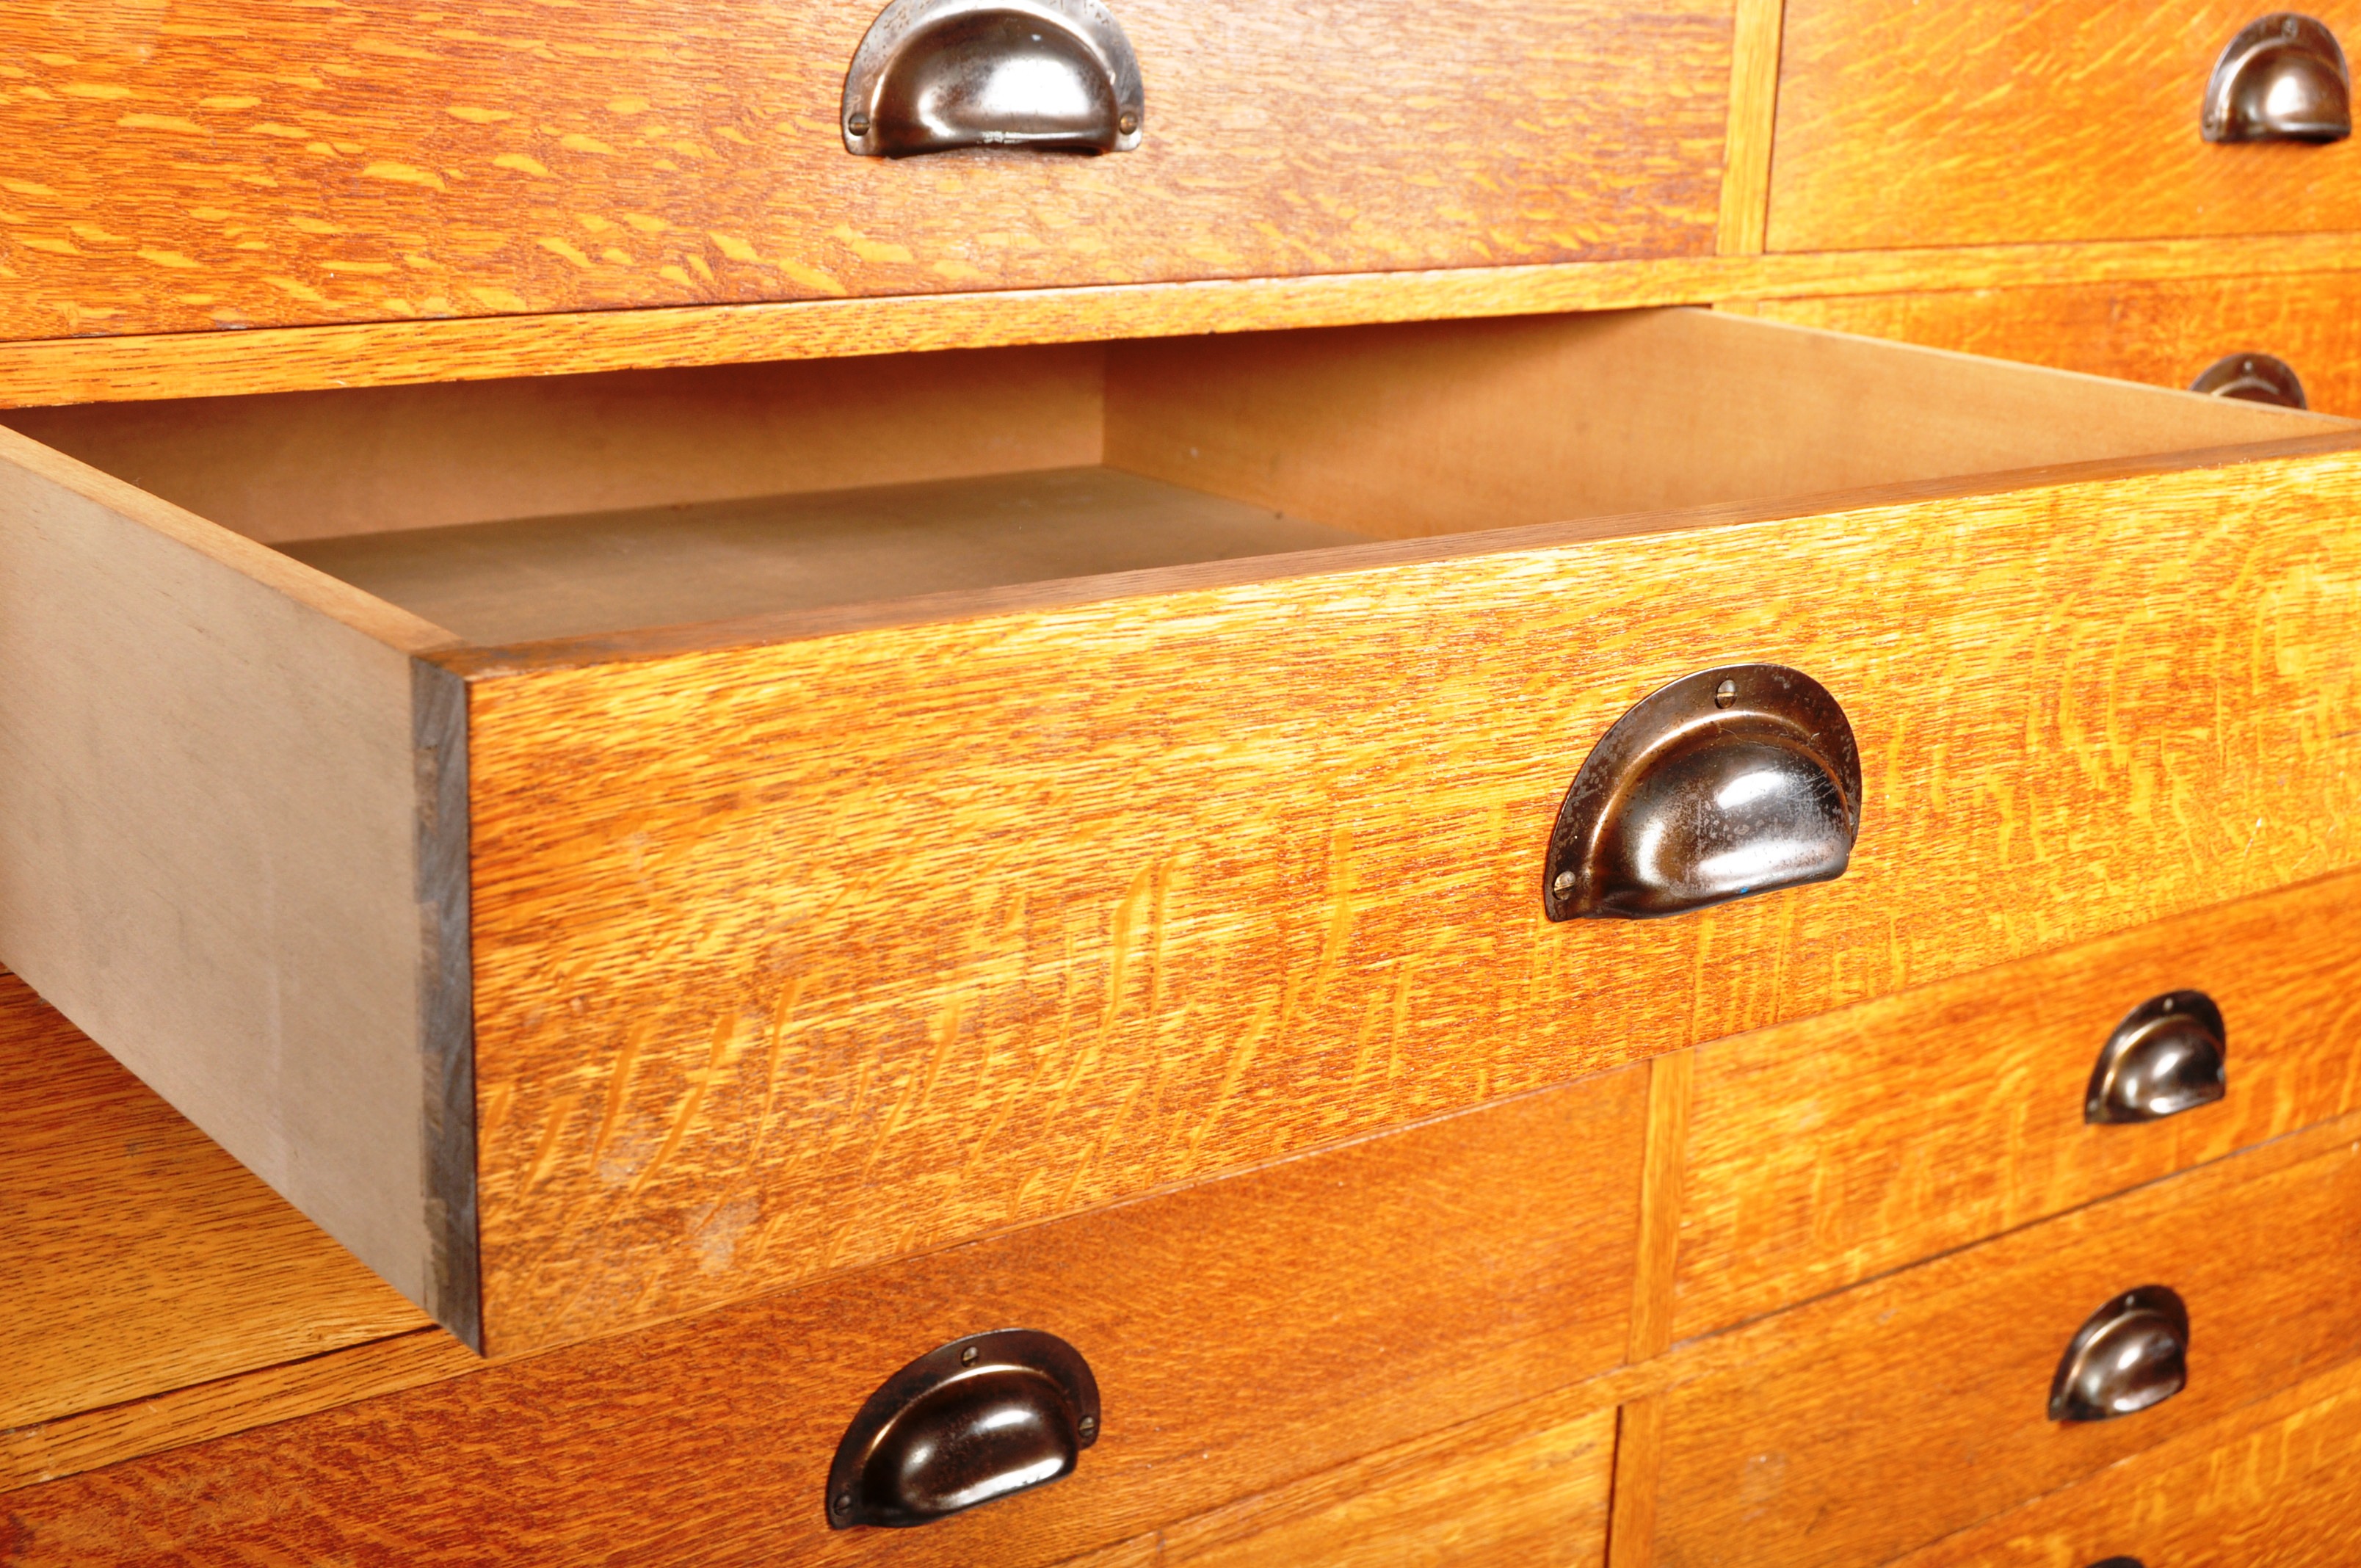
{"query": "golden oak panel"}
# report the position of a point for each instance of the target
(2271, 1486)
(1957, 122)
(1244, 1334)
(1858, 1427)
(2164, 332)
(226, 166)
(1825, 1151)
(798, 956)
(140, 1257)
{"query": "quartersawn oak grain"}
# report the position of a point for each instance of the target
(226, 166)
(1858, 1427)
(283, 360)
(1289, 898)
(140, 1258)
(1825, 1151)
(1955, 122)
(2272, 1483)
(2164, 331)
(1245, 1333)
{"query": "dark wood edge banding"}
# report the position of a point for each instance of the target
(447, 1000)
(476, 661)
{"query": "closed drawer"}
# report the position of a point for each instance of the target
(774, 923)
(1247, 1337)
(364, 163)
(1904, 123)
(1854, 1428)
(2168, 333)
(2273, 1485)
(1827, 1151)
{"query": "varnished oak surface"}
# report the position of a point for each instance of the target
(2271, 1485)
(1291, 894)
(1864, 1425)
(1957, 122)
(139, 1257)
(2161, 331)
(1244, 1334)
(1825, 1151)
(178, 365)
(226, 166)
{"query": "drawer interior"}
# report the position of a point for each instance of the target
(522, 510)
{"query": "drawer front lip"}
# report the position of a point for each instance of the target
(1915, 1405)
(1309, 913)
(1243, 1334)
(2164, 332)
(2105, 147)
(634, 157)
(1956, 1110)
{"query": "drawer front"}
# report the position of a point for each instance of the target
(1855, 1428)
(1910, 124)
(140, 1257)
(1007, 915)
(361, 162)
(2165, 333)
(1243, 1334)
(2280, 1490)
(1824, 1152)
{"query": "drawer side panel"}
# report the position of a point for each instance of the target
(209, 845)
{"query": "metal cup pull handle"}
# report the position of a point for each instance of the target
(2252, 378)
(2281, 79)
(1728, 782)
(2131, 1353)
(978, 1418)
(933, 75)
(2171, 1054)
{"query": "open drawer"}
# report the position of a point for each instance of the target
(606, 845)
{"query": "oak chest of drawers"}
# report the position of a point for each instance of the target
(744, 767)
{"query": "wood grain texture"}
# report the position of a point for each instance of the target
(1244, 1334)
(1753, 104)
(1437, 428)
(1524, 1488)
(210, 816)
(280, 360)
(2160, 331)
(227, 168)
(141, 1258)
(69, 1446)
(1290, 896)
(1858, 1427)
(2273, 1484)
(1639, 1461)
(1953, 122)
(308, 467)
(1827, 1151)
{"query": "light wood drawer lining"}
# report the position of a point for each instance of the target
(1241, 766)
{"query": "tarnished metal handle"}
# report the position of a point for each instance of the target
(2252, 378)
(2169, 1055)
(2130, 1355)
(1728, 782)
(933, 75)
(969, 1421)
(2281, 79)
